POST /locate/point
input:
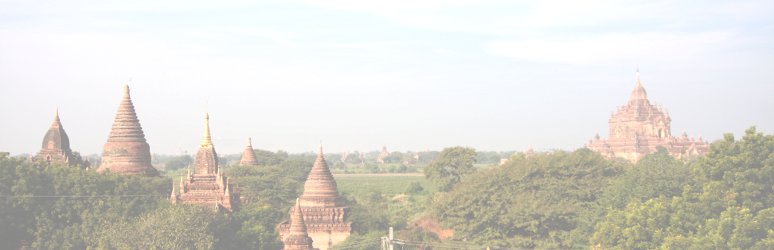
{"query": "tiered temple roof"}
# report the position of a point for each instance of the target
(297, 237)
(56, 146)
(206, 185)
(126, 150)
(248, 156)
(638, 128)
(323, 209)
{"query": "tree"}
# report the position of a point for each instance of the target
(531, 202)
(450, 166)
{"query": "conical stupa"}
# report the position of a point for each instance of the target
(126, 151)
(320, 188)
(55, 148)
(297, 238)
(248, 156)
(324, 212)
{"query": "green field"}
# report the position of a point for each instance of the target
(385, 184)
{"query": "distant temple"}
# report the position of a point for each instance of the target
(323, 210)
(126, 151)
(248, 156)
(383, 154)
(297, 237)
(639, 128)
(56, 146)
(206, 185)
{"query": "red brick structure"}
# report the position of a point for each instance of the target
(323, 209)
(206, 185)
(297, 237)
(126, 151)
(638, 128)
(248, 156)
(56, 146)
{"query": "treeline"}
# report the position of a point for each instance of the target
(352, 162)
(561, 200)
(62, 207)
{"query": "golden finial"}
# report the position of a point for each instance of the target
(207, 139)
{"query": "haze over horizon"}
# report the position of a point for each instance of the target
(492, 75)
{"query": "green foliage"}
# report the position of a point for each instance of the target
(450, 166)
(277, 186)
(63, 207)
(268, 158)
(362, 241)
(531, 202)
(171, 227)
(415, 188)
(178, 162)
(726, 203)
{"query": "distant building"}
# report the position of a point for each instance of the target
(323, 209)
(56, 146)
(248, 156)
(382, 155)
(638, 128)
(206, 185)
(126, 151)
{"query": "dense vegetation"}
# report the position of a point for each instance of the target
(579, 200)
(565, 200)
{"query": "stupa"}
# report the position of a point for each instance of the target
(639, 128)
(248, 156)
(206, 185)
(56, 146)
(126, 151)
(297, 237)
(323, 209)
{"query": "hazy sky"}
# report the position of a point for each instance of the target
(411, 75)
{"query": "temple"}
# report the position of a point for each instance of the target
(126, 151)
(297, 237)
(323, 209)
(56, 146)
(206, 185)
(248, 156)
(638, 128)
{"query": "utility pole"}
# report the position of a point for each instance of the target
(387, 242)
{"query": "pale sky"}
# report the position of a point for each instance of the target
(356, 75)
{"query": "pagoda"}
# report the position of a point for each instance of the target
(206, 185)
(248, 156)
(323, 209)
(126, 151)
(639, 128)
(297, 237)
(56, 146)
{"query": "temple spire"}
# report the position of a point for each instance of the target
(638, 93)
(206, 139)
(56, 123)
(298, 238)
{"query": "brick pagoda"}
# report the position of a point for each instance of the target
(323, 209)
(56, 146)
(126, 151)
(248, 156)
(297, 237)
(206, 185)
(638, 128)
